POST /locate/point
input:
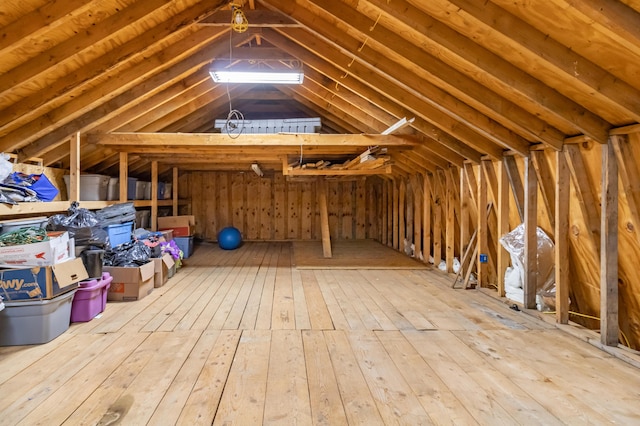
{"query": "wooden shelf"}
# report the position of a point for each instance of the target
(62, 206)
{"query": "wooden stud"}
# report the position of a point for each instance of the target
(124, 176)
(324, 217)
(74, 169)
(503, 225)
(609, 328)
(438, 200)
(154, 195)
(450, 221)
(562, 205)
(482, 229)
(426, 217)
(417, 215)
(530, 234)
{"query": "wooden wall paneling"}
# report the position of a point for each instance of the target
(211, 218)
(629, 177)
(390, 206)
(334, 195)
(307, 214)
(402, 214)
(238, 208)
(223, 199)
(482, 229)
(279, 208)
(410, 211)
(609, 328)
(195, 187)
(546, 185)
(251, 196)
(465, 200)
(396, 214)
(584, 190)
(294, 209)
(439, 202)
(265, 215)
(374, 211)
(417, 188)
(384, 213)
(530, 235)
(503, 259)
(561, 253)
(324, 217)
(426, 216)
(347, 209)
(450, 220)
(516, 184)
(361, 208)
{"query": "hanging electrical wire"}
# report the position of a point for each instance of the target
(235, 119)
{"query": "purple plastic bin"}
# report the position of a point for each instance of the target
(90, 298)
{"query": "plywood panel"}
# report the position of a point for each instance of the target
(251, 197)
(266, 209)
(294, 207)
(307, 214)
(346, 209)
(360, 206)
(279, 208)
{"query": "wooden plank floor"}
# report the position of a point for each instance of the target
(241, 337)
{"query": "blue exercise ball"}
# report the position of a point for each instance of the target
(229, 238)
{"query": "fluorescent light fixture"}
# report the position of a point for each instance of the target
(257, 76)
(399, 125)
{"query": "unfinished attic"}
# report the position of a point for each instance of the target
(435, 219)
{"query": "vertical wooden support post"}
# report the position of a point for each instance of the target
(563, 182)
(395, 215)
(482, 229)
(609, 248)
(124, 176)
(385, 210)
(417, 216)
(154, 195)
(450, 231)
(324, 217)
(426, 217)
(530, 234)
(175, 191)
(465, 199)
(74, 168)
(402, 211)
(503, 224)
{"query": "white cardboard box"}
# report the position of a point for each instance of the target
(58, 248)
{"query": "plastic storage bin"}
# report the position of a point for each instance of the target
(35, 322)
(119, 234)
(90, 298)
(92, 187)
(113, 193)
(131, 188)
(185, 244)
(166, 192)
(14, 225)
(141, 187)
(147, 190)
(143, 219)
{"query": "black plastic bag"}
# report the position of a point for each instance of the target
(134, 254)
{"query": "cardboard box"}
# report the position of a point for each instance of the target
(162, 267)
(130, 283)
(182, 226)
(57, 249)
(41, 282)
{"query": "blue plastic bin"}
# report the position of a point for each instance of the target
(119, 234)
(185, 244)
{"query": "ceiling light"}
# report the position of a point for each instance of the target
(257, 76)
